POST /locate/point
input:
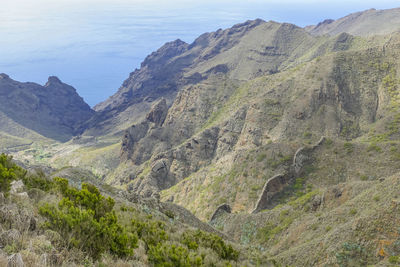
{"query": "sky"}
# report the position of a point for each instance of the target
(93, 45)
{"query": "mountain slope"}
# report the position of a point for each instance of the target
(54, 111)
(365, 23)
(185, 141)
(242, 52)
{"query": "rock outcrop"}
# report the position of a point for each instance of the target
(279, 182)
(134, 144)
(158, 112)
(54, 110)
(15, 260)
(224, 208)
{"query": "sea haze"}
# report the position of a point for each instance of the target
(94, 45)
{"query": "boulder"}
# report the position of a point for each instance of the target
(15, 260)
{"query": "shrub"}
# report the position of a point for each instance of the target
(349, 147)
(9, 171)
(164, 255)
(194, 239)
(86, 220)
(394, 259)
(38, 180)
(150, 231)
(261, 157)
(352, 255)
(374, 147)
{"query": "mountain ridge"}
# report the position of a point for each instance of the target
(53, 110)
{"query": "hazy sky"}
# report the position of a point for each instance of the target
(94, 44)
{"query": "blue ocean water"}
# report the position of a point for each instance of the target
(93, 45)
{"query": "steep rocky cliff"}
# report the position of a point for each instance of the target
(54, 111)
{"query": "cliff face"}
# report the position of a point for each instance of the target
(54, 110)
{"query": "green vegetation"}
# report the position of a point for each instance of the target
(352, 254)
(349, 147)
(194, 239)
(350, 130)
(353, 212)
(276, 162)
(9, 171)
(86, 220)
(261, 157)
(394, 259)
(285, 219)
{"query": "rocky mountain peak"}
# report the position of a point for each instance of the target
(4, 76)
(54, 110)
(167, 51)
(53, 80)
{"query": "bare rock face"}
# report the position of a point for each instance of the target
(139, 140)
(158, 112)
(272, 187)
(279, 182)
(130, 139)
(170, 167)
(224, 208)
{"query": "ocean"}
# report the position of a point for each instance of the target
(94, 45)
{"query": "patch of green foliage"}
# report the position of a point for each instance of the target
(275, 163)
(38, 180)
(164, 255)
(152, 232)
(307, 135)
(394, 259)
(352, 254)
(374, 147)
(286, 217)
(270, 230)
(86, 220)
(192, 239)
(261, 157)
(9, 172)
(349, 147)
(350, 130)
